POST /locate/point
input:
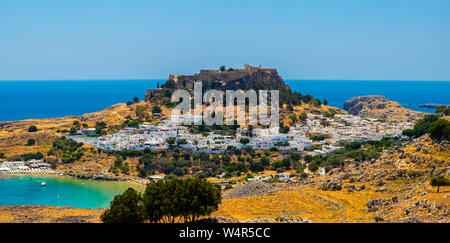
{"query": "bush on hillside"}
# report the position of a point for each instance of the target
(32, 128)
(421, 127)
(440, 130)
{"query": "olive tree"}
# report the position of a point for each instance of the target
(125, 208)
(439, 181)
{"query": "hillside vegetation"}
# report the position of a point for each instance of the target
(395, 187)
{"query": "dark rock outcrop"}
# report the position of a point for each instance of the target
(374, 204)
(331, 185)
(253, 189)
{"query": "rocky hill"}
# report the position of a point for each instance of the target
(256, 78)
(232, 79)
(14, 136)
(393, 188)
(378, 107)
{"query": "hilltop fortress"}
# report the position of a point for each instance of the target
(232, 79)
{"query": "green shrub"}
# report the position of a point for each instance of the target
(125, 208)
(31, 142)
(156, 109)
(244, 140)
(440, 129)
(32, 128)
(421, 127)
(26, 157)
(378, 219)
(171, 141)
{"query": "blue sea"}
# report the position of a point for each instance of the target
(43, 99)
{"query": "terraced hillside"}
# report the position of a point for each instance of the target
(393, 188)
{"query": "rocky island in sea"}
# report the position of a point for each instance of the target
(434, 105)
(367, 163)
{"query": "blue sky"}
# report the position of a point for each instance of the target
(320, 39)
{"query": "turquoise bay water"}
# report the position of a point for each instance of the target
(60, 191)
(42, 99)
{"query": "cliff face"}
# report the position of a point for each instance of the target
(257, 79)
(378, 107)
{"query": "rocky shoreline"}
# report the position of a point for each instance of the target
(142, 182)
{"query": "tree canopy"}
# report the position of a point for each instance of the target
(125, 208)
(31, 142)
(440, 129)
(156, 109)
(421, 127)
(244, 140)
(439, 181)
(67, 149)
(32, 128)
(165, 201)
(187, 200)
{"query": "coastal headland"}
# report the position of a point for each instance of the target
(377, 106)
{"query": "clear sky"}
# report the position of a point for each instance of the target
(315, 39)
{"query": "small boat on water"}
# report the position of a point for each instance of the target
(43, 183)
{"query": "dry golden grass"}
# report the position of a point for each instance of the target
(303, 202)
(14, 143)
(307, 108)
(307, 201)
(441, 197)
(112, 115)
(323, 108)
(47, 214)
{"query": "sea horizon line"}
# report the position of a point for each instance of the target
(165, 79)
